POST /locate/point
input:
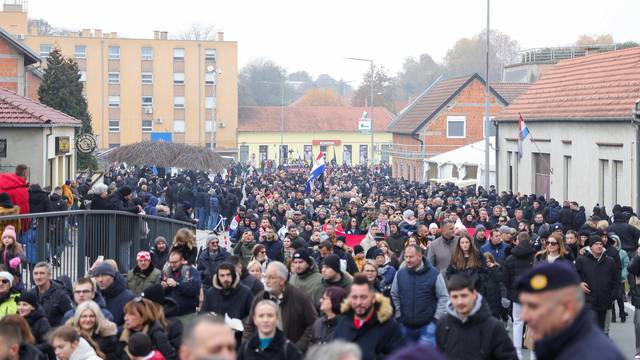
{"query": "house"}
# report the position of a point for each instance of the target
(447, 115)
(304, 131)
(583, 119)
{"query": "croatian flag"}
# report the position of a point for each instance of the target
(522, 134)
(316, 171)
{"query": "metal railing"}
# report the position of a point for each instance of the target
(72, 240)
(551, 55)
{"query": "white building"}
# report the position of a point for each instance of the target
(585, 129)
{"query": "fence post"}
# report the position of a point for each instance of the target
(111, 237)
(81, 244)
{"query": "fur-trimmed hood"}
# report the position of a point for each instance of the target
(383, 307)
(234, 284)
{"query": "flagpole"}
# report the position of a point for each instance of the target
(487, 145)
(534, 144)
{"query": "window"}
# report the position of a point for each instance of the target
(146, 53)
(83, 75)
(178, 78)
(209, 102)
(45, 50)
(147, 101)
(114, 125)
(456, 127)
(210, 54)
(114, 78)
(147, 125)
(364, 154)
(80, 52)
(346, 154)
(210, 78)
(114, 101)
(147, 78)
(178, 54)
(178, 126)
(114, 52)
(178, 102)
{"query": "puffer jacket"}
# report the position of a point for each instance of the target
(116, 297)
(521, 259)
(55, 302)
(138, 279)
(602, 277)
(40, 326)
(207, 264)
(84, 351)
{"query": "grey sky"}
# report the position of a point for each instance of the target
(313, 35)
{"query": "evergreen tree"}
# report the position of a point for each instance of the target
(61, 89)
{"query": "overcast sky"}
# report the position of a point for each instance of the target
(314, 35)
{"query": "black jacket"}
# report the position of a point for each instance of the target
(602, 277)
(580, 340)
(55, 303)
(120, 203)
(480, 336)
(98, 203)
(39, 201)
(31, 352)
(324, 330)
(279, 349)
(39, 328)
(159, 341)
(236, 301)
(158, 259)
(251, 282)
(207, 264)
(628, 235)
(492, 288)
(634, 290)
(518, 262)
(108, 345)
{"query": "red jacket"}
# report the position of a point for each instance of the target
(17, 188)
(157, 355)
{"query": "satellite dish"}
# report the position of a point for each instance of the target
(210, 68)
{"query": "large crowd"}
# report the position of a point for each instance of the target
(365, 266)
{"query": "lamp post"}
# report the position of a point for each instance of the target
(283, 85)
(487, 123)
(371, 104)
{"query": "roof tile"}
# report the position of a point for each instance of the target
(16, 109)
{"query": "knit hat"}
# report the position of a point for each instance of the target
(504, 229)
(125, 191)
(187, 205)
(30, 298)
(303, 254)
(407, 213)
(333, 262)
(595, 239)
(5, 200)
(143, 255)
(358, 249)
(160, 239)
(480, 228)
(154, 293)
(104, 269)
(139, 344)
(9, 231)
(378, 252)
(7, 275)
(433, 226)
(211, 237)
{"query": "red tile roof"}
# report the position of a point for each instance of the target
(510, 91)
(309, 118)
(424, 107)
(595, 87)
(22, 111)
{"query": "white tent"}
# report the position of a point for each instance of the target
(463, 161)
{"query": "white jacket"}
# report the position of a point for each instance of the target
(84, 351)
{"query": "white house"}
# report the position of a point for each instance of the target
(584, 132)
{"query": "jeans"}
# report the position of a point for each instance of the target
(214, 217)
(518, 328)
(201, 216)
(424, 335)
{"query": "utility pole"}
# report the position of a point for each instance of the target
(487, 122)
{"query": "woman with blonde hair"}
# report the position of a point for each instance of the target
(139, 316)
(90, 322)
(255, 269)
(554, 250)
(185, 242)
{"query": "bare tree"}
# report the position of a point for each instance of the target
(198, 31)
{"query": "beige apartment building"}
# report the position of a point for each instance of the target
(147, 89)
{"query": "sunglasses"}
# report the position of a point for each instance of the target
(552, 243)
(5, 281)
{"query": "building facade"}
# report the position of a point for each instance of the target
(148, 89)
(334, 130)
(582, 117)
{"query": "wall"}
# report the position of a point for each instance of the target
(586, 144)
(130, 66)
(33, 84)
(296, 142)
(404, 166)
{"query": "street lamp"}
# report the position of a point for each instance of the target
(371, 104)
(487, 123)
(283, 84)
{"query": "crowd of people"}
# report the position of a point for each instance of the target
(365, 266)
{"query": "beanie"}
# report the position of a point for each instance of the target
(333, 262)
(407, 213)
(378, 252)
(302, 254)
(160, 239)
(143, 255)
(139, 344)
(125, 191)
(480, 228)
(594, 239)
(358, 249)
(9, 231)
(104, 269)
(30, 298)
(154, 293)
(7, 275)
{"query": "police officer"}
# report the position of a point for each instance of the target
(560, 324)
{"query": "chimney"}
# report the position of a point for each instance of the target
(86, 33)
(156, 35)
(163, 35)
(220, 36)
(114, 34)
(97, 33)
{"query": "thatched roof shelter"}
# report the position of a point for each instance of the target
(167, 154)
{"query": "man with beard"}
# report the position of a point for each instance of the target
(305, 275)
(367, 320)
(227, 296)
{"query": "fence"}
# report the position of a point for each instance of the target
(72, 240)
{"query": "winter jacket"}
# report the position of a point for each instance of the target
(280, 348)
(396, 242)
(440, 251)
(499, 252)
(419, 296)
(378, 337)
(248, 280)
(602, 277)
(633, 278)
(189, 254)
(120, 203)
(478, 336)
(107, 340)
(158, 259)
(9, 304)
(98, 203)
(275, 250)
(345, 282)
(207, 264)
(628, 234)
(55, 302)
(187, 289)
(116, 297)
(39, 201)
(16, 187)
(159, 341)
(84, 351)
(521, 259)
(310, 282)
(235, 301)
(578, 341)
(323, 330)
(492, 288)
(40, 326)
(138, 280)
(245, 251)
(298, 314)
(31, 352)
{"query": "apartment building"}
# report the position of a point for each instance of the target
(147, 89)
